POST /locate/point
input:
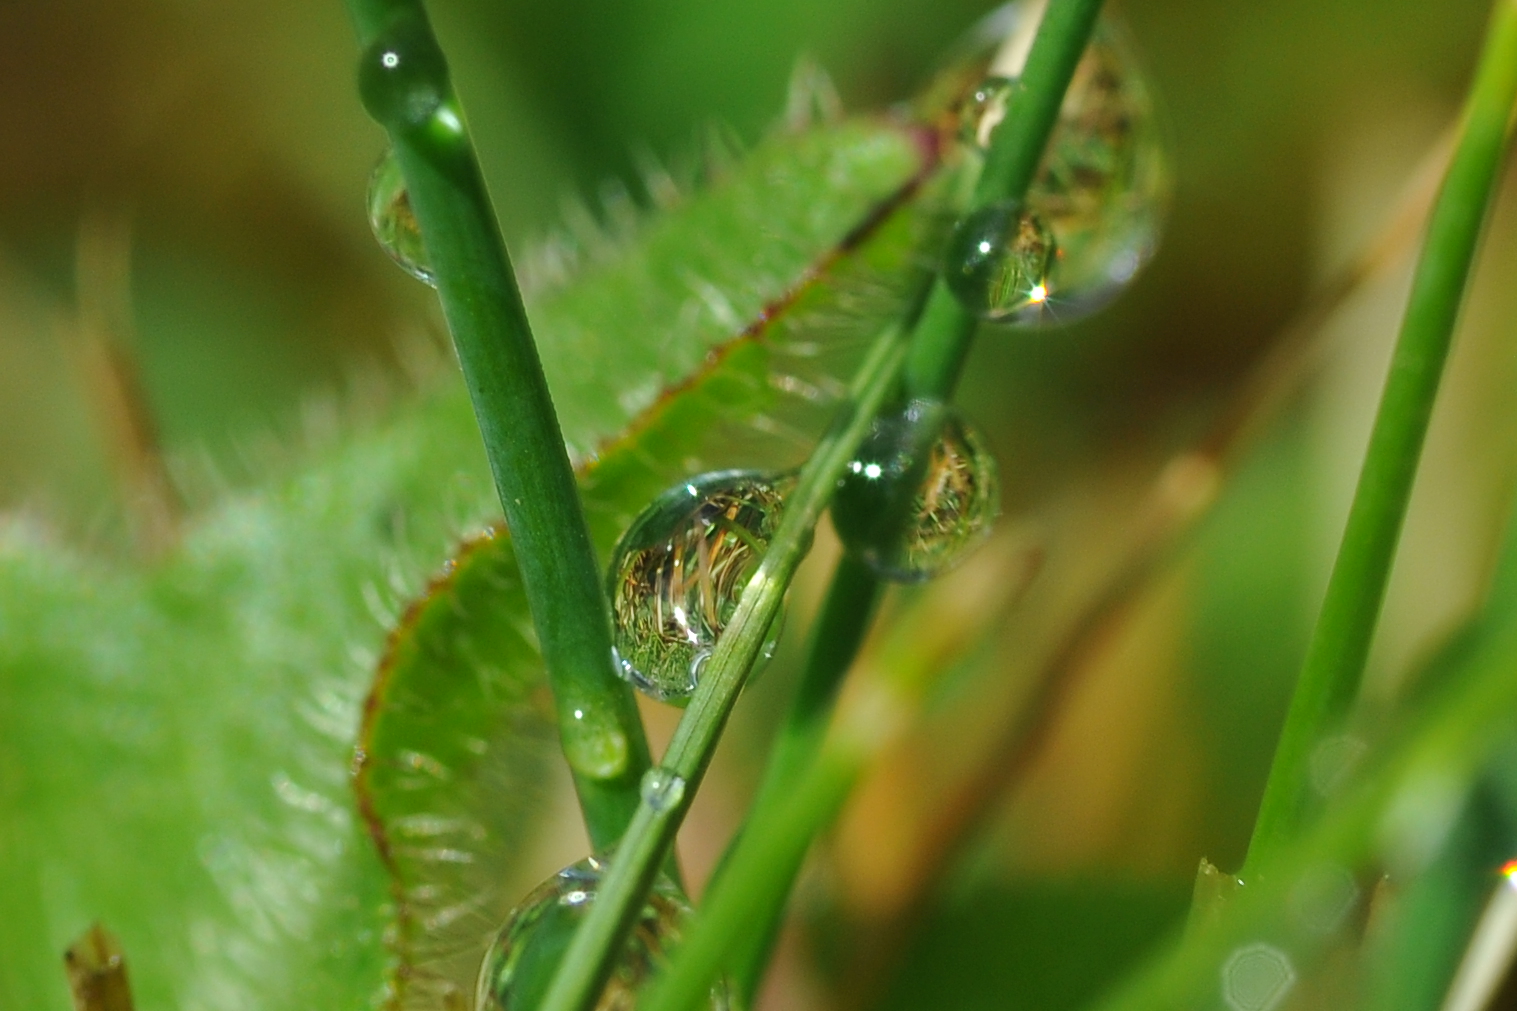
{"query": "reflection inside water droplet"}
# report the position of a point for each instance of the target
(679, 571)
(1103, 185)
(998, 261)
(394, 223)
(522, 958)
(1257, 977)
(911, 534)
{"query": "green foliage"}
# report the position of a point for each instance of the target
(176, 738)
(177, 741)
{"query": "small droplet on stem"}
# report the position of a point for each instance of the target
(394, 222)
(920, 495)
(402, 75)
(998, 261)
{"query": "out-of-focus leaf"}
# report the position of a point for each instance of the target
(1041, 945)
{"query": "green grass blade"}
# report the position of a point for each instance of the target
(1334, 666)
(753, 887)
(405, 83)
(591, 955)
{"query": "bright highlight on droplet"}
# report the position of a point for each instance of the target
(521, 960)
(946, 515)
(1509, 871)
(678, 573)
(997, 259)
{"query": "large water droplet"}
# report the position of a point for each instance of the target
(402, 75)
(1103, 186)
(909, 521)
(998, 260)
(679, 571)
(393, 221)
(520, 962)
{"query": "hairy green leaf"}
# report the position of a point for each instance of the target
(176, 743)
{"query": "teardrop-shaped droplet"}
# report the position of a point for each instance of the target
(402, 75)
(1103, 186)
(679, 570)
(393, 221)
(997, 261)
(983, 110)
(920, 495)
(525, 953)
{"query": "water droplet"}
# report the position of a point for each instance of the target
(1257, 977)
(679, 570)
(522, 958)
(984, 109)
(998, 260)
(907, 522)
(393, 221)
(662, 789)
(402, 75)
(598, 752)
(1103, 186)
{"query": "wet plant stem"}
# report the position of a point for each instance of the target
(835, 640)
(808, 781)
(592, 953)
(1334, 666)
(601, 732)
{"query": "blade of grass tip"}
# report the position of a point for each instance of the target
(745, 900)
(1334, 665)
(669, 789)
(403, 79)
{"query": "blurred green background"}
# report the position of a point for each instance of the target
(217, 154)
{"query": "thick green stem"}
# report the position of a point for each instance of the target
(669, 789)
(1335, 658)
(405, 86)
(806, 785)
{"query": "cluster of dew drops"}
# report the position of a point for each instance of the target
(922, 492)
